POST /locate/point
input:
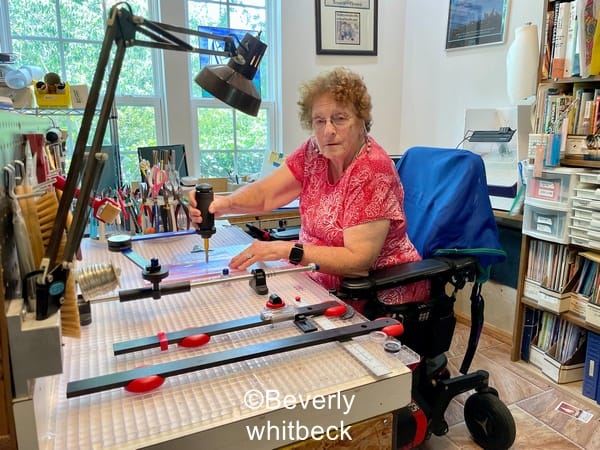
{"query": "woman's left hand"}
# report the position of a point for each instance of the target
(261, 251)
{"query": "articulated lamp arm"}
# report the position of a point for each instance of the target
(231, 83)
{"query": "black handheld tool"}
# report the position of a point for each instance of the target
(204, 197)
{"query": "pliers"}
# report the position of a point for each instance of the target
(145, 218)
(182, 212)
(165, 213)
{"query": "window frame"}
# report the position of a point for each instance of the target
(170, 101)
(268, 102)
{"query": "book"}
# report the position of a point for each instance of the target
(574, 116)
(587, 27)
(586, 96)
(556, 111)
(595, 112)
(585, 124)
(590, 379)
(547, 62)
(571, 40)
(559, 43)
(595, 51)
(530, 324)
(576, 64)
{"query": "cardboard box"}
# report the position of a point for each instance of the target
(218, 184)
(79, 95)
(536, 356)
(576, 147)
(531, 289)
(578, 304)
(571, 370)
(592, 314)
(556, 302)
(21, 98)
(553, 301)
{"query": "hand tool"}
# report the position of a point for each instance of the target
(177, 337)
(165, 212)
(144, 379)
(182, 213)
(146, 218)
(204, 197)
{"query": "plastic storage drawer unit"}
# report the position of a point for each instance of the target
(545, 223)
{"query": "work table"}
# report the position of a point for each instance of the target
(212, 406)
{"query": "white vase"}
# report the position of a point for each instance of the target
(522, 62)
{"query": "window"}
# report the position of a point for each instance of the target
(67, 42)
(230, 141)
(149, 108)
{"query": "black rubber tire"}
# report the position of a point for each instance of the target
(489, 421)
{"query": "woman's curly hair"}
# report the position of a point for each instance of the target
(347, 87)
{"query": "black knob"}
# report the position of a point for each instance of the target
(204, 197)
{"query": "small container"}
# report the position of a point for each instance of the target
(61, 99)
(85, 311)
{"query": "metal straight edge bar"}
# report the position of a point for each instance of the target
(172, 368)
(175, 337)
(185, 286)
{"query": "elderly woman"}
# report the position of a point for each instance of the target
(351, 199)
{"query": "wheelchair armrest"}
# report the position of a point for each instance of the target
(444, 268)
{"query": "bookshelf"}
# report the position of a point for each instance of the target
(560, 109)
(569, 84)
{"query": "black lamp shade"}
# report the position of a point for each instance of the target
(230, 87)
(232, 83)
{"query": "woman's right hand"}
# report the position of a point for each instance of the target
(218, 206)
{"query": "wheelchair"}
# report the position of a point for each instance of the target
(451, 222)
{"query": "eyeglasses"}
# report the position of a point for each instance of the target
(339, 121)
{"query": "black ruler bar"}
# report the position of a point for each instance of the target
(175, 337)
(172, 368)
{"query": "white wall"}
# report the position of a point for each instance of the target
(420, 91)
(300, 62)
(440, 85)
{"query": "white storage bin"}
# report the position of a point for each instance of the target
(582, 213)
(592, 177)
(587, 192)
(555, 186)
(579, 202)
(579, 232)
(581, 222)
(579, 240)
(546, 223)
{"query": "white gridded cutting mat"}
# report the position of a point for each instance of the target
(199, 400)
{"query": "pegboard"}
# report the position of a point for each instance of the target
(13, 126)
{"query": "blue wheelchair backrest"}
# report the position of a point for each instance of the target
(447, 205)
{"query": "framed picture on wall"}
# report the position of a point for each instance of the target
(346, 28)
(476, 22)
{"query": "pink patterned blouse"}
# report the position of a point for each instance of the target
(368, 190)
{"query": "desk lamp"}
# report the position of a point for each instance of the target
(231, 83)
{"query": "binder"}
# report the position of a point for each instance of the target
(590, 371)
(529, 331)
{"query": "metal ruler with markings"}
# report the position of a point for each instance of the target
(365, 357)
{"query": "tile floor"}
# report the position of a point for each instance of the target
(531, 397)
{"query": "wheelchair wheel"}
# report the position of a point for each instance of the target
(489, 421)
